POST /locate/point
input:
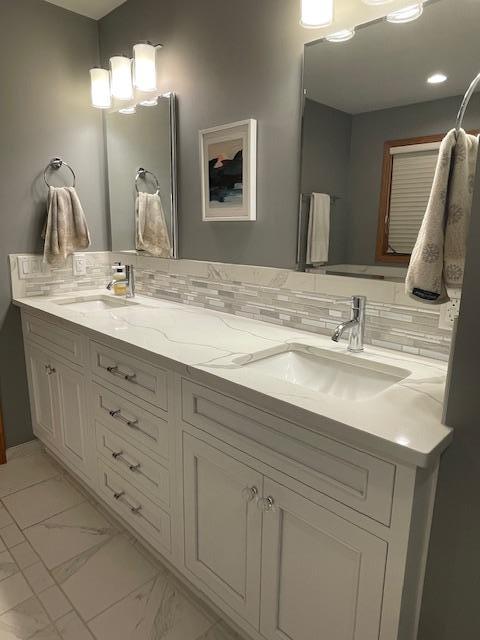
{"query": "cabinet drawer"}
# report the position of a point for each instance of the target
(145, 474)
(136, 509)
(352, 477)
(140, 378)
(136, 425)
(61, 341)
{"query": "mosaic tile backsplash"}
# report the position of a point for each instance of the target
(271, 295)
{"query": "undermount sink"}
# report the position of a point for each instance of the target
(341, 375)
(94, 303)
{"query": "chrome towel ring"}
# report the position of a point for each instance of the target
(55, 164)
(142, 173)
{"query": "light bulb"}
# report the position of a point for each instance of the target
(341, 36)
(316, 13)
(407, 14)
(437, 78)
(100, 88)
(145, 68)
(128, 110)
(122, 87)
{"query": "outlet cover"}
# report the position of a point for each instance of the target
(79, 265)
(449, 313)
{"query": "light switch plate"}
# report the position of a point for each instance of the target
(79, 265)
(30, 266)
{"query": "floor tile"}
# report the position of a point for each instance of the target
(72, 628)
(219, 631)
(46, 634)
(69, 534)
(7, 565)
(25, 449)
(24, 621)
(156, 610)
(42, 501)
(13, 591)
(38, 577)
(25, 471)
(55, 603)
(5, 517)
(24, 555)
(11, 535)
(116, 569)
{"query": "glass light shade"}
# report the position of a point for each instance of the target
(317, 13)
(121, 81)
(376, 3)
(100, 88)
(341, 36)
(407, 14)
(128, 110)
(145, 67)
(149, 103)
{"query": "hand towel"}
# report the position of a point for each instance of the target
(151, 227)
(318, 239)
(66, 229)
(438, 258)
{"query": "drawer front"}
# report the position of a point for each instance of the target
(136, 425)
(152, 522)
(61, 341)
(139, 378)
(145, 474)
(354, 478)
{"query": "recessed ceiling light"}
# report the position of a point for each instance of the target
(341, 36)
(437, 78)
(407, 14)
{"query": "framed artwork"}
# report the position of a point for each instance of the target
(228, 157)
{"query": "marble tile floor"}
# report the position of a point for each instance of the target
(69, 571)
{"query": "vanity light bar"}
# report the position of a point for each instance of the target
(407, 14)
(316, 13)
(341, 36)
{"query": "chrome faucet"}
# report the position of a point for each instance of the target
(129, 281)
(356, 325)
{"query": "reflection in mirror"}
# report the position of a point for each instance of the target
(375, 110)
(142, 179)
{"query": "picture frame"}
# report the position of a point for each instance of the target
(228, 157)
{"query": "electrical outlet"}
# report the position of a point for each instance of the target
(79, 265)
(448, 313)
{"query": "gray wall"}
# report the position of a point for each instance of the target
(45, 54)
(326, 142)
(228, 61)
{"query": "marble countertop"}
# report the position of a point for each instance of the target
(404, 422)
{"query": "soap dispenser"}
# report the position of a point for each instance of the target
(119, 277)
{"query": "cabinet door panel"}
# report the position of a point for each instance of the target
(42, 383)
(322, 577)
(223, 526)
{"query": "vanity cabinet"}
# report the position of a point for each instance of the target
(291, 533)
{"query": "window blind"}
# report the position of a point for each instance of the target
(412, 179)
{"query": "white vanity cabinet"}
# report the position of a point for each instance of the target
(291, 533)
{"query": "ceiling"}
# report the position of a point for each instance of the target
(95, 9)
(387, 65)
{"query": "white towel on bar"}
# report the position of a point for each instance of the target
(151, 228)
(318, 239)
(66, 229)
(438, 258)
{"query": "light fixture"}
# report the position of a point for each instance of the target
(407, 14)
(149, 103)
(121, 80)
(144, 66)
(341, 36)
(375, 3)
(437, 78)
(128, 110)
(100, 88)
(316, 13)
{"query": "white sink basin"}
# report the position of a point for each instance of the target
(94, 303)
(341, 375)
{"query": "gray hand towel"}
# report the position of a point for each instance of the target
(438, 258)
(151, 227)
(66, 229)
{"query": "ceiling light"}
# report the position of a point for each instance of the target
(128, 110)
(145, 69)
(100, 88)
(407, 14)
(437, 78)
(122, 88)
(316, 13)
(341, 36)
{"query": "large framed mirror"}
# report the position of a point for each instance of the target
(375, 109)
(142, 178)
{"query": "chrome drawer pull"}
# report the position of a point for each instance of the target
(133, 508)
(136, 509)
(117, 454)
(49, 369)
(119, 495)
(116, 371)
(117, 414)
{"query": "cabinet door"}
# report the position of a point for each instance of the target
(43, 390)
(322, 577)
(223, 525)
(73, 417)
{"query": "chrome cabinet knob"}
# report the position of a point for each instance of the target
(250, 493)
(267, 504)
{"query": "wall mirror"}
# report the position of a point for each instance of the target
(141, 154)
(375, 110)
